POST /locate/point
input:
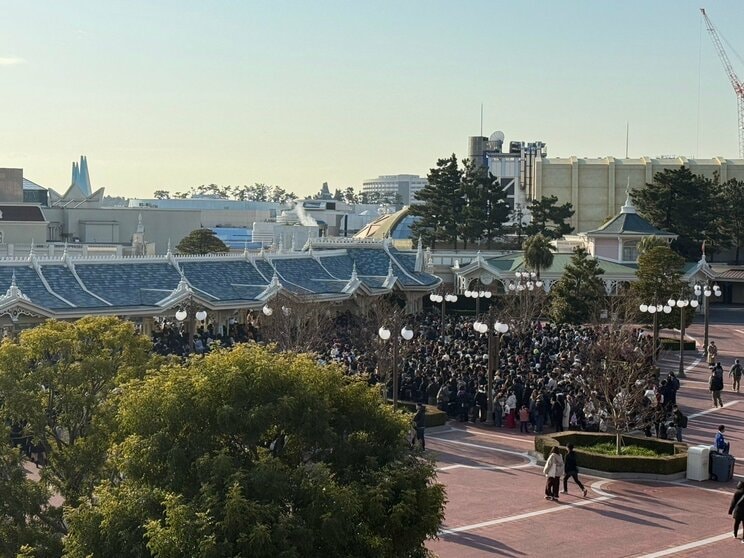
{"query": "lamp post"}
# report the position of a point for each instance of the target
(525, 281)
(187, 311)
(494, 355)
(385, 334)
(478, 295)
(654, 310)
(707, 290)
(682, 303)
(442, 300)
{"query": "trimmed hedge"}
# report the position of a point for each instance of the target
(434, 417)
(673, 460)
(673, 345)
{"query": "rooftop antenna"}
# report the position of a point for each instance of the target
(627, 137)
(481, 133)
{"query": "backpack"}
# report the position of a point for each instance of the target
(682, 420)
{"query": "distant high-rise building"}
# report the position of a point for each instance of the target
(400, 189)
(514, 167)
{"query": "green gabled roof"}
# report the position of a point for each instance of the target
(515, 262)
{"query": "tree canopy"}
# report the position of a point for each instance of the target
(548, 218)
(688, 205)
(460, 203)
(256, 192)
(578, 295)
(538, 253)
(253, 453)
(201, 241)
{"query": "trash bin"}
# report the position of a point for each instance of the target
(722, 467)
(697, 463)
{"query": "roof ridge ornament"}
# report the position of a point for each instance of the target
(168, 251)
(353, 272)
(419, 265)
(13, 292)
(628, 207)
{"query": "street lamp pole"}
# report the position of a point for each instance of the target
(495, 331)
(682, 304)
(442, 300)
(654, 310)
(706, 290)
(385, 334)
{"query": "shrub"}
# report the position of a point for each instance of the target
(671, 457)
(434, 417)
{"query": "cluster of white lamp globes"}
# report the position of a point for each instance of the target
(181, 315)
(498, 327)
(707, 290)
(525, 280)
(406, 333)
(439, 298)
(667, 308)
(478, 294)
(268, 310)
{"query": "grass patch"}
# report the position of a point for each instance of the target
(608, 448)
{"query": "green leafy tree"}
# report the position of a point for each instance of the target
(250, 452)
(161, 195)
(58, 379)
(486, 210)
(649, 242)
(350, 196)
(201, 241)
(579, 295)
(538, 253)
(27, 523)
(441, 212)
(338, 194)
(688, 205)
(548, 218)
(732, 197)
(659, 279)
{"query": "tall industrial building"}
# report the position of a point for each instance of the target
(514, 166)
(402, 187)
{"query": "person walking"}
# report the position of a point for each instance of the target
(715, 385)
(712, 352)
(572, 471)
(737, 508)
(553, 471)
(524, 420)
(735, 373)
(419, 423)
(679, 421)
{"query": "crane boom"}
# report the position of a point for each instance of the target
(733, 78)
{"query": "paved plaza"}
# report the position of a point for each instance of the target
(495, 490)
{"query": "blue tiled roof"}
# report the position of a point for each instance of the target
(129, 284)
(63, 282)
(370, 261)
(265, 269)
(31, 285)
(308, 273)
(221, 278)
(338, 266)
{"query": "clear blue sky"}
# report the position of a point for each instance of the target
(171, 94)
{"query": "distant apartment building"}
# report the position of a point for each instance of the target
(393, 188)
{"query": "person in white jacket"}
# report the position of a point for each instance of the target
(553, 470)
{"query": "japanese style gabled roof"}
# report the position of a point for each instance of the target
(71, 286)
(628, 222)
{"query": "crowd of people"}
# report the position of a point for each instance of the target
(534, 384)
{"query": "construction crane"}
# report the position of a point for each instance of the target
(733, 78)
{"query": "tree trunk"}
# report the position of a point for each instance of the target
(618, 442)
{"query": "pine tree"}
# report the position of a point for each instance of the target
(578, 296)
(441, 212)
(548, 218)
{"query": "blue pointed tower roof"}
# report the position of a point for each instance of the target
(80, 176)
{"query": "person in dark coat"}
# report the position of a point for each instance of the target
(419, 423)
(737, 507)
(571, 470)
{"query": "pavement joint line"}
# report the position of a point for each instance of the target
(687, 483)
(597, 487)
(522, 454)
(490, 434)
(484, 467)
(713, 410)
(687, 546)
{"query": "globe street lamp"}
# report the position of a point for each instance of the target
(494, 355)
(654, 310)
(707, 290)
(682, 303)
(525, 281)
(187, 311)
(385, 334)
(478, 295)
(442, 300)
